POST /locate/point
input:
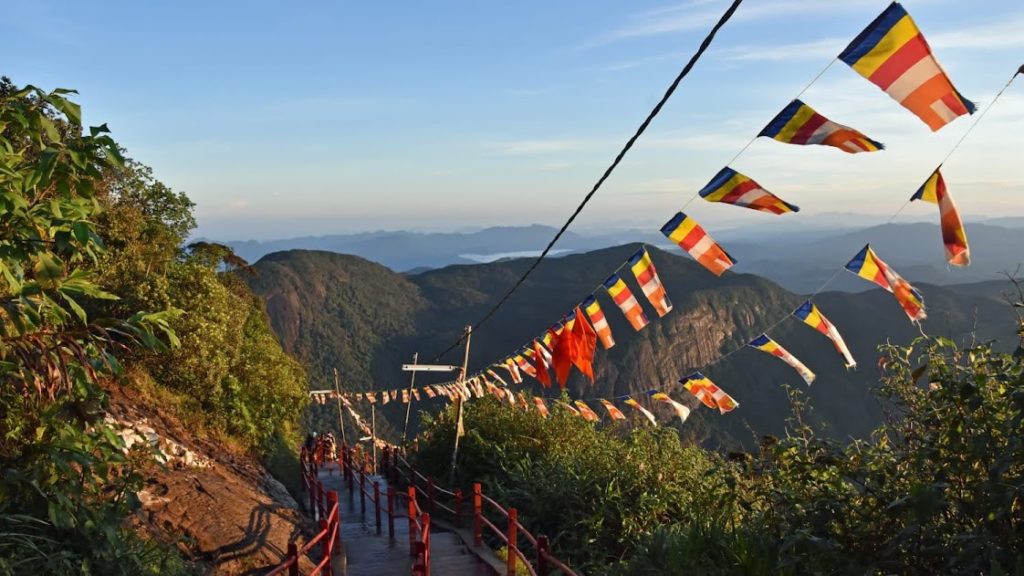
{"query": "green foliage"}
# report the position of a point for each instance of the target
(65, 483)
(938, 489)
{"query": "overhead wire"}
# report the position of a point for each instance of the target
(726, 16)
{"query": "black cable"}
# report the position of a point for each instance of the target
(618, 158)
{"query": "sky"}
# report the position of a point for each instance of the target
(306, 118)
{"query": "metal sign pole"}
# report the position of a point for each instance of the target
(458, 419)
(408, 407)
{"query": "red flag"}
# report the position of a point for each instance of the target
(562, 353)
(541, 367)
(586, 343)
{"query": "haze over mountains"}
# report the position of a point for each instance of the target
(332, 310)
(799, 259)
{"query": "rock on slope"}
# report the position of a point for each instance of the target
(224, 511)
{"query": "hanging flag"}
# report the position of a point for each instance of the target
(384, 398)
(496, 377)
(707, 392)
(541, 406)
(685, 232)
(953, 235)
(647, 413)
(513, 370)
(624, 299)
(416, 394)
(650, 284)
(596, 315)
(371, 397)
(586, 342)
(540, 366)
(585, 411)
(808, 312)
(681, 409)
(568, 407)
(893, 54)
(869, 266)
(731, 187)
(798, 123)
(562, 352)
(523, 358)
(429, 391)
(405, 396)
(613, 412)
(394, 395)
(766, 344)
(523, 403)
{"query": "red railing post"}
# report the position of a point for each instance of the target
(332, 502)
(426, 544)
(478, 503)
(376, 503)
(412, 520)
(458, 508)
(362, 493)
(513, 533)
(391, 512)
(542, 559)
(293, 554)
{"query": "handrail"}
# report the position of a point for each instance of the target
(329, 536)
(545, 562)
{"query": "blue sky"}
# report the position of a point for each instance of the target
(286, 119)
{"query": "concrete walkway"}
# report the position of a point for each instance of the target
(365, 553)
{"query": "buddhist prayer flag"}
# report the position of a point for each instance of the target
(562, 352)
(808, 312)
(585, 411)
(405, 396)
(522, 401)
(893, 54)
(523, 364)
(624, 299)
(384, 398)
(613, 412)
(568, 407)
(766, 344)
(416, 394)
(869, 266)
(541, 406)
(647, 413)
(540, 367)
(371, 397)
(953, 235)
(681, 410)
(685, 232)
(586, 342)
(650, 284)
(513, 370)
(496, 377)
(596, 315)
(394, 394)
(707, 392)
(798, 123)
(731, 187)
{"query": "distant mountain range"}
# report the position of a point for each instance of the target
(334, 310)
(800, 260)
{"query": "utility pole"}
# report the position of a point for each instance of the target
(458, 417)
(408, 407)
(341, 417)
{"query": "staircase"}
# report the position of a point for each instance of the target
(367, 551)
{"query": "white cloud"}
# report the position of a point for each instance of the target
(544, 146)
(700, 14)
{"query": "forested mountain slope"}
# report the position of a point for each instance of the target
(334, 310)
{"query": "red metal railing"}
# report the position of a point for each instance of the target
(323, 505)
(354, 462)
(451, 502)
